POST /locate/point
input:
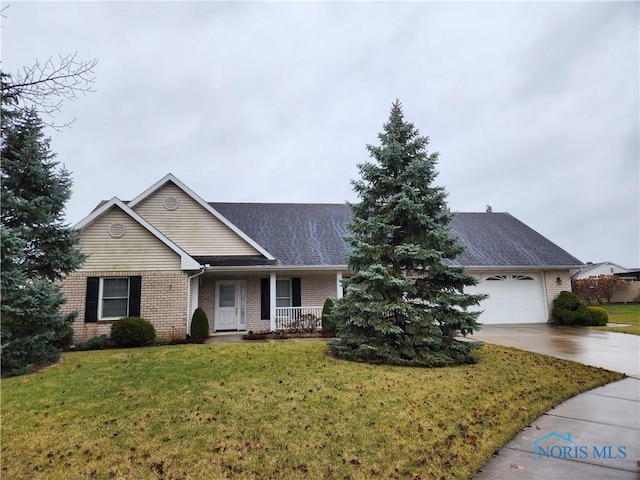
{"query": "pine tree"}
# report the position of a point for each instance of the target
(404, 303)
(37, 248)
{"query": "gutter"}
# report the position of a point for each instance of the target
(271, 268)
(489, 268)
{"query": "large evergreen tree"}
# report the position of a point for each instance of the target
(404, 303)
(37, 248)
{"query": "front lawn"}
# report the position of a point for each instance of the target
(272, 410)
(627, 313)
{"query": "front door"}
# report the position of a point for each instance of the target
(230, 305)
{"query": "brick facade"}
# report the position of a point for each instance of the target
(555, 281)
(163, 302)
(164, 297)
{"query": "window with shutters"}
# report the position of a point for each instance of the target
(114, 298)
(111, 298)
(283, 293)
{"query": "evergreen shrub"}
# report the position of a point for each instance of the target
(599, 317)
(64, 338)
(199, 326)
(329, 326)
(132, 332)
(568, 309)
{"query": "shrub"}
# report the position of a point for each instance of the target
(568, 309)
(64, 338)
(599, 316)
(95, 343)
(199, 326)
(307, 323)
(132, 332)
(328, 325)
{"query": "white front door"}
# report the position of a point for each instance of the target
(230, 305)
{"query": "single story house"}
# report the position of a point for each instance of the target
(596, 269)
(262, 266)
(629, 294)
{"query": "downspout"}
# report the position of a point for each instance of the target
(203, 268)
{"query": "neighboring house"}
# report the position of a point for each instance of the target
(596, 269)
(631, 291)
(262, 266)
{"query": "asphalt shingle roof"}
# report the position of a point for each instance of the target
(295, 234)
(312, 234)
(501, 239)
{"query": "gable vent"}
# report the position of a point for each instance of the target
(171, 203)
(116, 230)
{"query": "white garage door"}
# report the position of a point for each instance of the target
(513, 297)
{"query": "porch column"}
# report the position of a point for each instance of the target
(272, 301)
(339, 285)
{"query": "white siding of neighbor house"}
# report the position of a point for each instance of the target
(138, 249)
(603, 269)
(190, 225)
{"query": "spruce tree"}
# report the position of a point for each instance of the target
(37, 248)
(404, 303)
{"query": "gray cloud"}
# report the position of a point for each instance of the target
(533, 106)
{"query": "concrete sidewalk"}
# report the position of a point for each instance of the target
(603, 428)
(594, 435)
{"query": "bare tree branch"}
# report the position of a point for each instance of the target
(44, 87)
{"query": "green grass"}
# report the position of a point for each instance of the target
(628, 314)
(272, 411)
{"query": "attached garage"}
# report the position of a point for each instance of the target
(514, 297)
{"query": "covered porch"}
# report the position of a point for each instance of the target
(260, 301)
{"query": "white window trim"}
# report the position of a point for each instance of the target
(101, 297)
(290, 297)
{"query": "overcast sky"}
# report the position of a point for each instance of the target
(534, 107)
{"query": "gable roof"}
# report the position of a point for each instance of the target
(312, 234)
(186, 262)
(171, 178)
(586, 271)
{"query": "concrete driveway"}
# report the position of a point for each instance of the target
(619, 352)
(594, 422)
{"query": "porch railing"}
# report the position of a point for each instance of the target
(301, 319)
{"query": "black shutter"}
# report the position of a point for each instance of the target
(265, 310)
(296, 296)
(91, 300)
(135, 291)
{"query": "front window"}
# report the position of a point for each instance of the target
(114, 301)
(283, 293)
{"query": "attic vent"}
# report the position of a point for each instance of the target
(171, 203)
(116, 230)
